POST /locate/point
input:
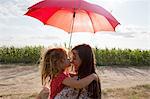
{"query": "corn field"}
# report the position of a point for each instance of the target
(121, 57)
(20, 55)
(104, 57)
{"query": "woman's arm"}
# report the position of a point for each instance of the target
(71, 82)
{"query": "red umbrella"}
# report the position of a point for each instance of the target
(73, 16)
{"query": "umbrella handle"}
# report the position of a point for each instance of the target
(74, 13)
(70, 41)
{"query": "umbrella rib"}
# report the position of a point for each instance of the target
(110, 23)
(45, 23)
(91, 21)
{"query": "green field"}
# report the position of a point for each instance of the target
(104, 57)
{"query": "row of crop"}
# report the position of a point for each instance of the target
(124, 57)
(105, 57)
(20, 55)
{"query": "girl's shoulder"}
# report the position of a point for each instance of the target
(62, 75)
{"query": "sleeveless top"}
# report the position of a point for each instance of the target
(56, 84)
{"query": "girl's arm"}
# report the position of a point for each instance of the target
(44, 93)
(71, 82)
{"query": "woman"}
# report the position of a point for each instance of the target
(87, 67)
(84, 64)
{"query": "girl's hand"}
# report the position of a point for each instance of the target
(95, 76)
(44, 93)
(75, 77)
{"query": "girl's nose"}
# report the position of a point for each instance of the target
(69, 60)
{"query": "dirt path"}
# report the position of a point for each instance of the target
(116, 77)
(16, 79)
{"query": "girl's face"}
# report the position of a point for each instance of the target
(66, 62)
(76, 60)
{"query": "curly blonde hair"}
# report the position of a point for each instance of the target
(52, 63)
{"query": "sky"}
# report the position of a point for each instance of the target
(19, 30)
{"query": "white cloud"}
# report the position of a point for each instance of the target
(106, 40)
(45, 37)
(22, 30)
(15, 7)
(132, 31)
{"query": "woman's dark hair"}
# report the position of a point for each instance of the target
(88, 67)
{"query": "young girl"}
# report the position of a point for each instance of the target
(54, 66)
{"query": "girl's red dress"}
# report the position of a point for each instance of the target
(56, 84)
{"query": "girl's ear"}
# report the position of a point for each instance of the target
(55, 70)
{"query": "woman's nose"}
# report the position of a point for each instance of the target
(71, 62)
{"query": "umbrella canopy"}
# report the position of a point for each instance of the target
(73, 15)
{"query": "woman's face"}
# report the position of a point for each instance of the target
(76, 61)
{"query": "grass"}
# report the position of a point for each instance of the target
(137, 92)
(19, 96)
